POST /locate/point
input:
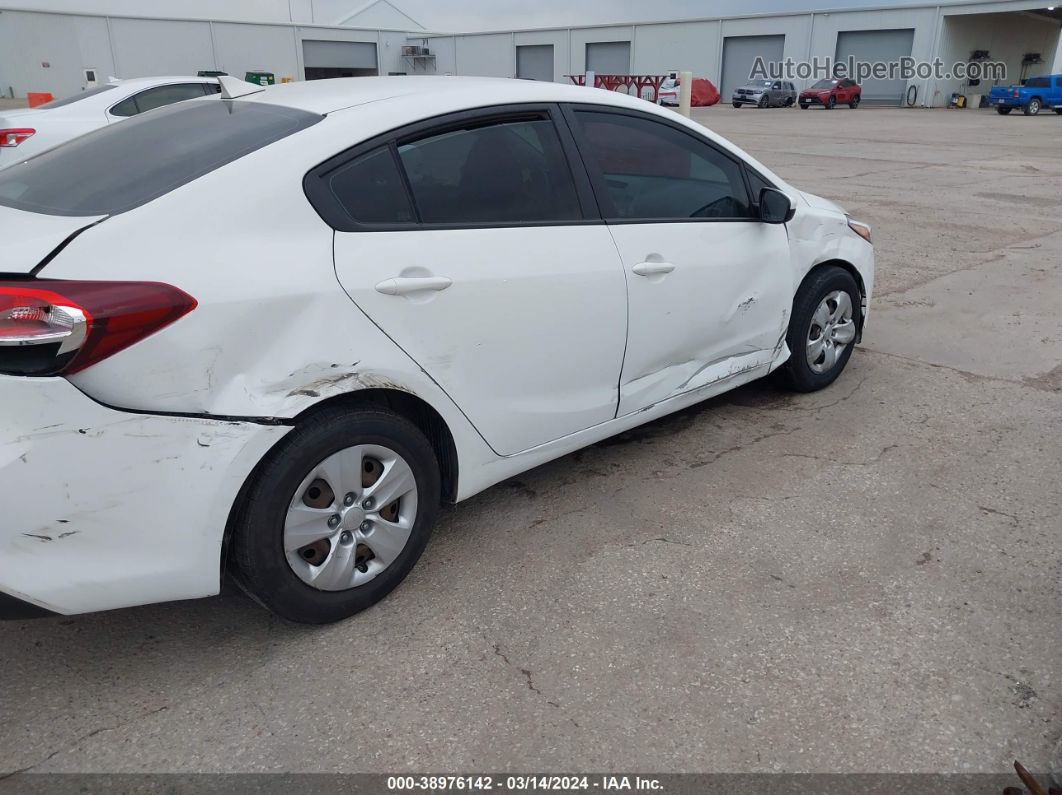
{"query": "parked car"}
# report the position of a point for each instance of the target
(24, 133)
(765, 94)
(1037, 93)
(832, 92)
(271, 335)
(703, 92)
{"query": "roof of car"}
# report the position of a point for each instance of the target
(325, 96)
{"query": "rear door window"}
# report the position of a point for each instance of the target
(504, 172)
(121, 166)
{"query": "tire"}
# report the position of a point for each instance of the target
(764, 101)
(737, 104)
(797, 372)
(1058, 111)
(831, 103)
(804, 106)
(1002, 111)
(854, 103)
(1033, 108)
(789, 102)
(261, 564)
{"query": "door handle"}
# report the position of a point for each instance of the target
(404, 285)
(653, 268)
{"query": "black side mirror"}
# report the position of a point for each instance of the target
(775, 207)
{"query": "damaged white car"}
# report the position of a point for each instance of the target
(269, 335)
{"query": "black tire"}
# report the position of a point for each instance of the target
(831, 103)
(737, 104)
(257, 542)
(789, 102)
(1058, 111)
(764, 101)
(804, 105)
(854, 103)
(1033, 108)
(1002, 111)
(796, 372)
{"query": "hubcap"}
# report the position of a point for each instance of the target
(832, 330)
(350, 518)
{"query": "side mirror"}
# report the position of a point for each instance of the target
(775, 207)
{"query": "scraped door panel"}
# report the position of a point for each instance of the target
(719, 312)
(527, 338)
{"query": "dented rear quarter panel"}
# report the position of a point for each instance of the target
(84, 525)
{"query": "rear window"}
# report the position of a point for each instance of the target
(122, 166)
(1037, 82)
(58, 103)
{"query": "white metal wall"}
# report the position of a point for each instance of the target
(48, 52)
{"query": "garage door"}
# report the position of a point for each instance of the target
(322, 59)
(873, 46)
(740, 54)
(535, 62)
(608, 57)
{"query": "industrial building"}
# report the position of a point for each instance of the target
(77, 43)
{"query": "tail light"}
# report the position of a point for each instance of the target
(1017, 93)
(62, 327)
(13, 136)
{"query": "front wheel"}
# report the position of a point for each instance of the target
(1032, 108)
(764, 101)
(737, 104)
(804, 106)
(822, 330)
(337, 515)
(831, 103)
(1002, 111)
(854, 103)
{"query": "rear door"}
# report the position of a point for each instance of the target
(472, 242)
(710, 285)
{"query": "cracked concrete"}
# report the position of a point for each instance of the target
(862, 579)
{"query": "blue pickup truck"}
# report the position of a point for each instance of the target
(1036, 94)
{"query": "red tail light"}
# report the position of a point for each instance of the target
(62, 327)
(1017, 93)
(15, 135)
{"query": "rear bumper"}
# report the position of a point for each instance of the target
(106, 509)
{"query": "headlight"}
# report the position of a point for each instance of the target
(861, 229)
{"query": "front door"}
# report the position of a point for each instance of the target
(710, 286)
(478, 261)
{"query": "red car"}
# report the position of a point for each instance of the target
(832, 92)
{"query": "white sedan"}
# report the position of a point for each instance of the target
(270, 335)
(24, 133)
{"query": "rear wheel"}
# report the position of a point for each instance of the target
(1058, 111)
(1032, 108)
(789, 102)
(1002, 111)
(337, 515)
(822, 330)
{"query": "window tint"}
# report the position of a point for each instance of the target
(654, 171)
(504, 172)
(370, 189)
(58, 103)
(1037, 82)
(127, 107)
(757, 183)
(157, 98)
(121, 166)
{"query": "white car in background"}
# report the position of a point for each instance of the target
(24, 133)
(271, 334)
